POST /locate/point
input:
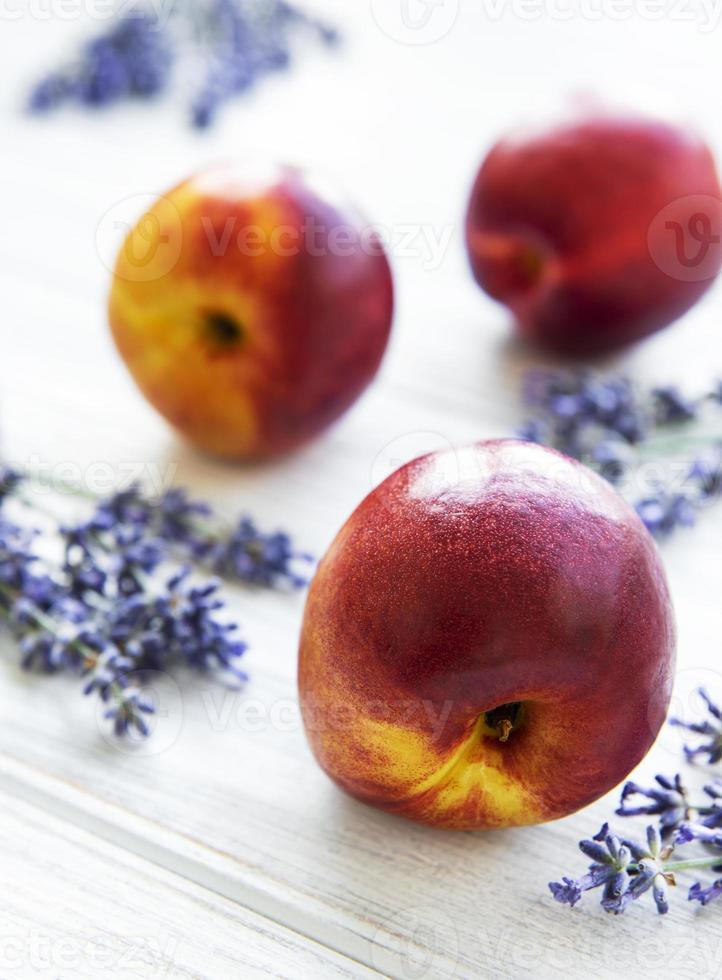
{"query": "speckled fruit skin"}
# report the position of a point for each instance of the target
(498, 574)
(308, 286)
(558, 223)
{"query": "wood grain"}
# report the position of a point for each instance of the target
(74, 906)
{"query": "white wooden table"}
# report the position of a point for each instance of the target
(220, 849)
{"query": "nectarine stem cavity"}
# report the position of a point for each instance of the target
(222, 330)
(502, 721)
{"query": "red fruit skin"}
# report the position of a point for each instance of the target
(564, 227)
(295, 267)
(501, 573)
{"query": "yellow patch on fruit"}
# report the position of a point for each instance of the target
(467, 787)
(175, 277)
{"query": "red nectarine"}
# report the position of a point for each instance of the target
(489, 640)
(596, 233)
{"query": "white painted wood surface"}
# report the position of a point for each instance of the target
(223, 830)
(76, 906)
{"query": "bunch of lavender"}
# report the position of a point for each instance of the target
(187, 530)
(224, 47)
(618, 430)
(119, 601)
(625, 869)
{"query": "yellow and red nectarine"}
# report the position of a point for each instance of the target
(252, 311)
(488, 642)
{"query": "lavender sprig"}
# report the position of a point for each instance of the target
(111, 634)
(614, 428)
(625, 870)
(132, 59)
(189, 530)
(669, 801)
(709, 728)
(10, 480)
(231, 44)
(133, 528)
(106, 609)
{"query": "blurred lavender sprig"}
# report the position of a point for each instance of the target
(618, 429)
(223, 47)
(625, 870)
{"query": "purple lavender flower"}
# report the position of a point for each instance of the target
(604, 422)
(609, 870)
(710, 729)
(133, 58)
(267, 560)
(236, 42)
(128, 712)
(112, 628)
(10, 480)
(572, 402)
(589, 418)
(179, 625)
(242, 553)
(610, 459)
(706, 475)
(709, 836)
(651, 873)
(668, 800)
(134, 534)
(698, 893)
(246, 42)
(671, 406)
(712, 813)
(664, 512)
(623, 869)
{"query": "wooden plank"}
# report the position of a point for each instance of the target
(73, 905)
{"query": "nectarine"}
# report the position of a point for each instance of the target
(488, 642)
(598, 232)
(252, 310)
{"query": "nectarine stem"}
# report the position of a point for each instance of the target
(503, 720)
(505, 728)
